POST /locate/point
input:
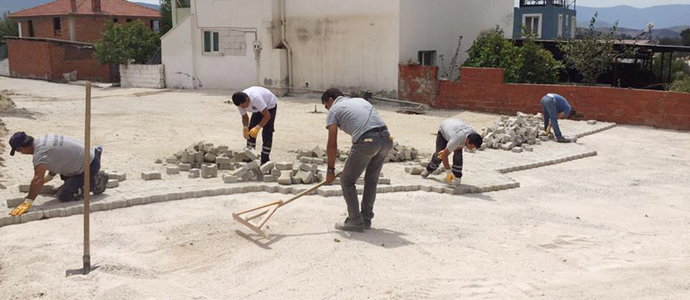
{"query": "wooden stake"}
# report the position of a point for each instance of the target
(87, 181)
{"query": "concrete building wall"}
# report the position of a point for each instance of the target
(5, 67)
(436, 25)
(352, 44)
(549, 23)
(177, 51)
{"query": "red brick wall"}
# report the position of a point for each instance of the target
(484, 90)
(48, 60)
(418, 83)
(88, 29)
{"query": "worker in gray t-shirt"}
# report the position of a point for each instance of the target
(371, 143)
(452, 136)
(58, 154)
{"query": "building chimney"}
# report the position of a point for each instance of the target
(73, 5)
(96, 5)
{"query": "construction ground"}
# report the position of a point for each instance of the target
(605, 218)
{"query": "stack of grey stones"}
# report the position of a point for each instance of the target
(515, 134)
(204, 160)
(398, 153)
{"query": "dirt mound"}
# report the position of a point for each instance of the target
(6, 102)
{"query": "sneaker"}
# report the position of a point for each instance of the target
(425, 173)
(350, 226)
(101, 182)
(367, 224)
(564, 140)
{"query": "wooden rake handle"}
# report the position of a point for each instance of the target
(309, 191)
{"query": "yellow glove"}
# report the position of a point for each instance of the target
(22, 208)
(48, 177)
(255, 131)
(245, 132)
(392, 138)
(449, 177)
(441, 154)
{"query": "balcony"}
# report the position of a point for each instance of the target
(569, 4)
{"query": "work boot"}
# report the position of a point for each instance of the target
(564, 140)
(367, 224)
(101, 182)
(425, 173)
(349, 225)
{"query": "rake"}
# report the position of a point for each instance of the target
(267, 211)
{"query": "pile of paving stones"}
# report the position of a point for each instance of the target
(515, 134)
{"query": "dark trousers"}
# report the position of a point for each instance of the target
(72, 188)
(368, 153)
(266, 133)
(435, 163)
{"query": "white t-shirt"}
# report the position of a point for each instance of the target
(259, 99)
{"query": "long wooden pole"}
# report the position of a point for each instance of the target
(87, 181)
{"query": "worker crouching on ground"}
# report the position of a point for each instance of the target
(371, 143)
(58, 154)
(452, 135)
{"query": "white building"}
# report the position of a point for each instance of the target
(352, 44)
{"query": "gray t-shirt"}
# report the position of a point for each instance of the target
(61, 155)
(355, 116)
(455, 132)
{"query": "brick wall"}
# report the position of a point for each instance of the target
(142, 76)
(49, 60)
(88, 29)
(483, 90)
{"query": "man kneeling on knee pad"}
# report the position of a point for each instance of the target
(452, 136)
(58, 154)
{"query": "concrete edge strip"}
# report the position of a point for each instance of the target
(591, 132)
(546, 163)
(210, 192)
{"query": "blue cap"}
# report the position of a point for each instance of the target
(17, 140)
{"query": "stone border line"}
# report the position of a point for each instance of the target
(546, 163)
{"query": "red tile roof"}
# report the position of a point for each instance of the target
(84, 7)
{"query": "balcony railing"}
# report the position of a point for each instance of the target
(569, 4)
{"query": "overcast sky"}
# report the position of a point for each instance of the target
(593, 3)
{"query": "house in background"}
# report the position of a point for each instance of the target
(356, 45)
(546, 19)
(56, 38)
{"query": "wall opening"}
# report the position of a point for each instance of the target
(31, 28)
(427, 58)
(57, 26)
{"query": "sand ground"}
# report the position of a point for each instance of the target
(613, 226)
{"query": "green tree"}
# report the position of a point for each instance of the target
(7, 26)
(537, 65)
(681, 83)
(124, 42)
(166, 16)
(593, 54)
(492, 50)
(685, 36)
(677, 67)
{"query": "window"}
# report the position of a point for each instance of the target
(560, 25)
(31, 28)
(116, 20)
(129, 20)
(183, 3)
(532, 24)
(155, 25)
(573, 27)
(57, 26)
(427, 58)
(211, 43)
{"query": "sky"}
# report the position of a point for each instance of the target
(592, 3)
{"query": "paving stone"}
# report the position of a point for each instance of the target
(135, 201)
(230, 179)
(54, 213)
(112, 183)
(320, 177)
(47, 189)
(172, 170)
(295, 180)
(275, 173)
(31, 216)
(425, 188)
(318, 161)
(417, 170)
(158, 161)
(171, 160)
(194, 173)
(249, 154)
(223, 160)
(74, 210)
(517, 150)
(384, 181)
(230, 166)
(267, 167)
(437, 189)
(248, 176)
(150, 175)
(98, 206)
(283, 166)
(305, 167)
(528, 148)
(199, 156)
(306, 177)
(209, 171)
(253, 165)
(117, 175)
(176, 196)
(209, 157)
(185, 167)
(270, 178)
(592, 122)
(14, 202)
(152, 199)
(305, 160)
(411, 188)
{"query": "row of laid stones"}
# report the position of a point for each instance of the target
(114, 179)
(135, 201)
(592, 122)
(547, 162)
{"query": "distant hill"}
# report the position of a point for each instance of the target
(17, 5)
(663, 16)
